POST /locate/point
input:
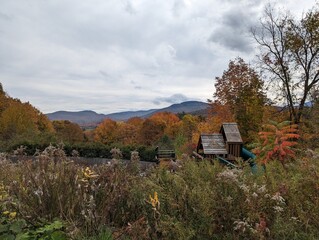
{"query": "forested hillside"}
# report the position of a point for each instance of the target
(21, 122)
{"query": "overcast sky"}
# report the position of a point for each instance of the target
(116, 55)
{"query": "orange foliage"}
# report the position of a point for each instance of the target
(166, 118)
(127, 133)
(276, 141)
(170, 122)
(21, 119)
(240, 94)
(136, 121)
(219, 114)
(106, 132)
(151, 132)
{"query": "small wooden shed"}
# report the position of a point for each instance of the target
(211, 145)
(233, 140)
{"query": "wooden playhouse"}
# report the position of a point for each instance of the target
(226, 144)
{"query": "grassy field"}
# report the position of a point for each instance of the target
(54, 198)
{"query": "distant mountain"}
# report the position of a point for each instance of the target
(86, 118)
(184, 107)
(81, 118)
(122, 116)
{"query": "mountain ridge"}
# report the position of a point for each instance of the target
(89, 117)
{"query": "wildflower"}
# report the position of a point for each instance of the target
(278, 209)
(3, 196)
(116, 153)
(229, 199)
(229, 174)
(295, 219)
(267, 195)
(244, 187)
(88, 173)
(262, 189)
(154, 201)
(38, 192)
(241, 225)
(6, 213)
(135, 156)
(3, 192)
(278, 198)
(12, 215)
(84, 181)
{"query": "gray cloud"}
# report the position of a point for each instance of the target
(228, 38)
(5, 17)
(234, 29)
(176, 98)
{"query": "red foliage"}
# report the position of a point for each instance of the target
(277, 141)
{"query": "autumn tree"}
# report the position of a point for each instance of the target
(16, 122)
(189, 126)
(4, 99)
(218, 114)
(67, 131)
(106, 132)
(309, 130)
(21, 122)
(127, 133)
(136, 121)
(240, 91)
(170, 121)
(43, 124)
(151, 132)
(166, 118)
(289, 54)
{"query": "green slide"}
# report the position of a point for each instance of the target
(250, 157)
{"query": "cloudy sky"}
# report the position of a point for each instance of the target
(116, 55)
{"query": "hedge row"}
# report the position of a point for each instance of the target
(92, 150)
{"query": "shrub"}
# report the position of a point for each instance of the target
(90, 150)
(276, 142)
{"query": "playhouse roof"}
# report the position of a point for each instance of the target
(231, 132)
(212, 143)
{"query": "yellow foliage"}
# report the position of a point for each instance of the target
(88, 173)
(106, 132)
(21, 119)
(154, 200)
(12, 215)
